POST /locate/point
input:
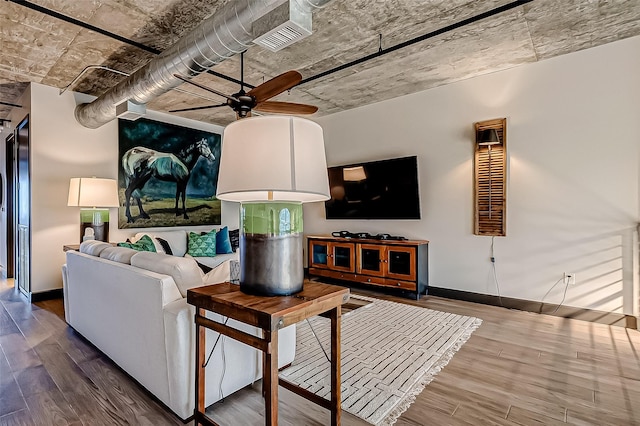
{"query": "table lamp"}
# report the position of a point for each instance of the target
(94, 196)
(271, 165)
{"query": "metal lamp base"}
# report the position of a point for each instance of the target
(271, 265)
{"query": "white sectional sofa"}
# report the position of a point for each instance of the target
(132, 306)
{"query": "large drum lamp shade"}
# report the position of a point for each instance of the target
(273, 158)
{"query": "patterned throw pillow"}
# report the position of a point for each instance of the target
(202, 245)
(223, 243)
(143, 244)
(165, 245)
(234, 237)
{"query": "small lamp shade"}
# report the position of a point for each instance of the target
(278, 158)
(93, 192)
(354, 174)
(488, 137)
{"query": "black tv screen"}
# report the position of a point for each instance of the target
(386, 189)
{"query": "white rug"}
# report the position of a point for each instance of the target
(390, 352)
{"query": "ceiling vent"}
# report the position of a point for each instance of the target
(129, 110)
(283, 26)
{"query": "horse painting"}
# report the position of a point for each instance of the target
(141, 164)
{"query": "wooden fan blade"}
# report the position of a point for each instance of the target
(197, 108)
(208, 89)
(275, 86)
(285, 108)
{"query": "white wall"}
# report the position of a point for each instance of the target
(61, 149)
(573, 176)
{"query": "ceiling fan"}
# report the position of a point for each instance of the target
(257, 98)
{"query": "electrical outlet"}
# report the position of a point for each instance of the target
(569, 278)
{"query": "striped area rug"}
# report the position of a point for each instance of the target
(390, 352)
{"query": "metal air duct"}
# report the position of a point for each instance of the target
(217, 38)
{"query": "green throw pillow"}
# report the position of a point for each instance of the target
(202, 245)
(143, 244)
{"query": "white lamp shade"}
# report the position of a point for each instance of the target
(93, 192)
(278, 155)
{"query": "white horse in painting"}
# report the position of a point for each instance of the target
(141, 164)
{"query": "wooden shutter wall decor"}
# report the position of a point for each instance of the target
(490, 176)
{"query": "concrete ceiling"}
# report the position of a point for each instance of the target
(36, 47)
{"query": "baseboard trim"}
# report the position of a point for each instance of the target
(592, 315)
(46, 295)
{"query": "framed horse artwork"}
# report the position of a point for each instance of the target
(167, 175)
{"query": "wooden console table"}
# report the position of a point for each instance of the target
(269, 314)
(397, 265)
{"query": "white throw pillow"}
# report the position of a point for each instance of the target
(220, 274)
(185, 272)
(213, 262)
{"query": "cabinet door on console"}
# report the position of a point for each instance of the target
(319, 251)
(401, 263)
(332, 255)
(371, 259)
(343, 256)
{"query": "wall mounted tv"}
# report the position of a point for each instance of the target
(386, 189)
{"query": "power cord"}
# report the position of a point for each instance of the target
(318, 339)
(564, 295)
(495, 273)
(224, 363)
(224, 370)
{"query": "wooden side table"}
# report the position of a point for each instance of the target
(270, 314)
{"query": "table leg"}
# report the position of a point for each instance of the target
(336, 394)
(270, 378)
(200, 354)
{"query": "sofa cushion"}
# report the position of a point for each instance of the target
(202, 245)
(184, 271)
(118, 254)
(93, 247)
(223, 243)
(144, 243)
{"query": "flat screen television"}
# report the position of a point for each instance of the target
(386, 189)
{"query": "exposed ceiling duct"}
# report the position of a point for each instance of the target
(224, 34)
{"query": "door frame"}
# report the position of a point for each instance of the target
(9, 203)
(23, 254)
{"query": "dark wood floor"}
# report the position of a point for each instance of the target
(517, 368)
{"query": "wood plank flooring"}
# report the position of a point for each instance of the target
(518, 368)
